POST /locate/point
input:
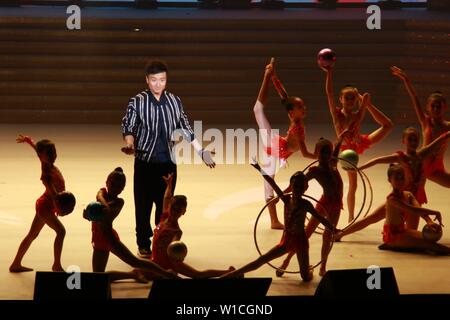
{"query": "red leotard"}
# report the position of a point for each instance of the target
(163, 236)
(391, 231)
(101, 240)
(44, 204)
(279, 145)
(332, 205)
(416, 170)
(357, 142)
(333, 187)
(434, 163)
(293, 239)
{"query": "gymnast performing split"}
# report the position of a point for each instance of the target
(105, 239)
(399, 205)
(278, 147)
(413, 163)
(294, 239)
(330, 203)
(420, 165)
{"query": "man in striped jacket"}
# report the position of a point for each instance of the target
(151, 118)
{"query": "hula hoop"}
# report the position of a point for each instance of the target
(362, 176)
(256, 241)
(371, 194)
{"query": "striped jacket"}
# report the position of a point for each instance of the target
(142, 118)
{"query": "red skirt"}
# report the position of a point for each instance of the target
(359, 144)
(392, 231)
(294, 243)
(278, 148)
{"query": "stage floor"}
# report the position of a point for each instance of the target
(218, 226)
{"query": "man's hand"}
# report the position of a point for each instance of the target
(255, 164)
(129, 141)
(128, 150)
(207, 158)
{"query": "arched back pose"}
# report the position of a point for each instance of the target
(349, 114)
(275, 145)
(53, 203)
(433, 125)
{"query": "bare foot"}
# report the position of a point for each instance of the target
(350, 219)
(277, 225)
(282, 269)
(279, 273)
(322, 272)
(57, 268)
(310, 275)
(19, 268)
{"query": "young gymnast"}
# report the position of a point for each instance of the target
(413, 164)
(105, 239)
(294, 239)
(433, 125)
(399, 204)
(167, 231)
(54, 202)
(330, 204)
(345, 117)
(275, 145)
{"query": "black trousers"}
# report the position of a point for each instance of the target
(149, 189)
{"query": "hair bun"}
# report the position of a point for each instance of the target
(119, 169)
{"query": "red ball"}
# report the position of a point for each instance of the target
(326, 58)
